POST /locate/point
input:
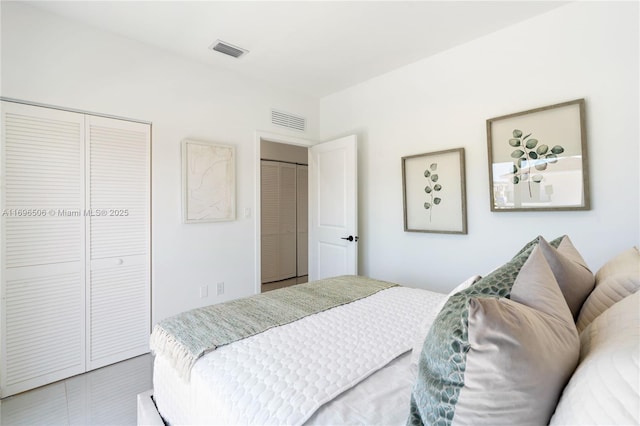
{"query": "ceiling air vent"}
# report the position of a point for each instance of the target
(290, 121)
(228, 49)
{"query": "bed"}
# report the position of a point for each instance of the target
(373, 352)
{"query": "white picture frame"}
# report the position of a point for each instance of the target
(208, 182)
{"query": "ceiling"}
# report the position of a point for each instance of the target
(310, 47)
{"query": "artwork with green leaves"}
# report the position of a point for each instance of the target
(538, 159)
(434, 192)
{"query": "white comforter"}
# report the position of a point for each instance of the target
(282, 376)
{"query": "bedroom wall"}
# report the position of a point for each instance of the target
(582, 50)
(52, 60)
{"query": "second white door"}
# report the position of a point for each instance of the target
(333, 202)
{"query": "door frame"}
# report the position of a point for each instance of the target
(257, 212)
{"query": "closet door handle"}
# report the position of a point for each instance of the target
(349, 238)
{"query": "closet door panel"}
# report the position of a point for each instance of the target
(42, 249)
(43, 172)
(118, 299)
(269, 258)
(118, 188)
(118, 326)
(303, 220)
(287, 221)
(269, 221)
(45, 334)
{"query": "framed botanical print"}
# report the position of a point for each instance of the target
(538, 159)
(433, 187)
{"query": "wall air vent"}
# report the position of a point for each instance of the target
(228, 49)
(290, 121)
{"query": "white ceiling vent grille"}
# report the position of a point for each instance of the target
(290, 121)
(228, 49)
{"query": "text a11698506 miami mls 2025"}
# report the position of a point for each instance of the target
(55, 212)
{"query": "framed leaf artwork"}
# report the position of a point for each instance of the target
(433, 189)
(538, 159)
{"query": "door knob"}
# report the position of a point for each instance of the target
(349, 238)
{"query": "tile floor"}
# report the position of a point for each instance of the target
(106, 396)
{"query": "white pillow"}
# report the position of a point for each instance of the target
(604, 389)
(615, 280)
(430, 316)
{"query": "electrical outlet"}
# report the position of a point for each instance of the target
(204, 291)
(220, 288)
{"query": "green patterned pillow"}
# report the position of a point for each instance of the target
(442, 362)
(555, 243)
(499, 282)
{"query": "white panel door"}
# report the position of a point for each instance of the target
(118, 253)
(42, 250)
(333, 201)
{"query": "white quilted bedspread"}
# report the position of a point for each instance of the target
(282, 376)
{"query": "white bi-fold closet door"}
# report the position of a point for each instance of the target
(75, 253)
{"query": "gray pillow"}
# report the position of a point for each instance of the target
(571, 272)
(490, 360)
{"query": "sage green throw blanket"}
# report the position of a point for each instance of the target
(186, 337)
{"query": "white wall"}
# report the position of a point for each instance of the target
(582, 50)
(55, 61)
(585, 50)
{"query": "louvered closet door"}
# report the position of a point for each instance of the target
(278, 221)
(269, 221)
(303, 219)
(42, 248)
(287, 221)
(118, 297)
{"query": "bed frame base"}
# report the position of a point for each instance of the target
(147, 412)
